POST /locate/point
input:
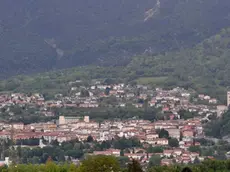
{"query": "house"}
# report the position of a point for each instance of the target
(193, 155)
(174, 132)
(147, 127)
(207, 97)
(130, 95)
(201, 96)
(64, 138)
(138, 105)
(115, 152)
(18, 126)
(168, 153)
(188, 133)
(6, 162)
(143, 96)
(136, 156)
(220, 109)
(165, 109)
(166, 162)
(67, 120)
(5, 134)
(93, 87)
(188, 144)
(122, 105)
(102, 153)
(171, 117)
(160, 141)
(88, 105)
(212, 101)
(185, 94)
(186, 159)
(151, 136)
(152, 103)
(165, 124)
(178, 151)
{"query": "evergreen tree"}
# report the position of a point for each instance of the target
(89, 139)
(134, 166)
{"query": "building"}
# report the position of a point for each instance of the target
(114, 152)
(228, 98)
(221, 109)
(188, 133)
(5, 162)
(86, 119)
(67, 120)
(166, 162)
(174, 132)
(18, 126)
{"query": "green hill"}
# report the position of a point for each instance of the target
(205, 67)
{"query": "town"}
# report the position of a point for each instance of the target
(180, 126)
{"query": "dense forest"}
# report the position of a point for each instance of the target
(38, 36)
(219, 128)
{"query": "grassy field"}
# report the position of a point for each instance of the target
(151, 80)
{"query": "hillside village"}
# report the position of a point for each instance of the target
(121, 95)
(171, 104)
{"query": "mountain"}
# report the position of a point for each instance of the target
(37, 36)
(204, 67)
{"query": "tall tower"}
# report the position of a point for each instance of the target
(228, 98)
(61, 120)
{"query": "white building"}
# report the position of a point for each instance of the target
(228, 98)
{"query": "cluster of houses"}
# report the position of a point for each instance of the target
(147, 132)
(20, 99)
(67, 128)
(168, 156)
(169, 101)
(207, 98)
(185, 131)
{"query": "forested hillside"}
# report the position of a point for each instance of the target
(220, 127)
(38, 36)
(205, 68)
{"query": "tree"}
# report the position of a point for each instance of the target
(154, 161)
(156, 149)
(44, 157)
(89, 139)
(123, 160)
(100, 163)
(122, 152)
(134, 166)
(74, 153)
(195, 149)
(54, 142)
(186, 114)
(109, 81)
(196, 161)
(205, 142)
(107, 91)
(105, 145)
(123, 143)
(84, 93)
(186, 169)
(173, 142)
(163, 133)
